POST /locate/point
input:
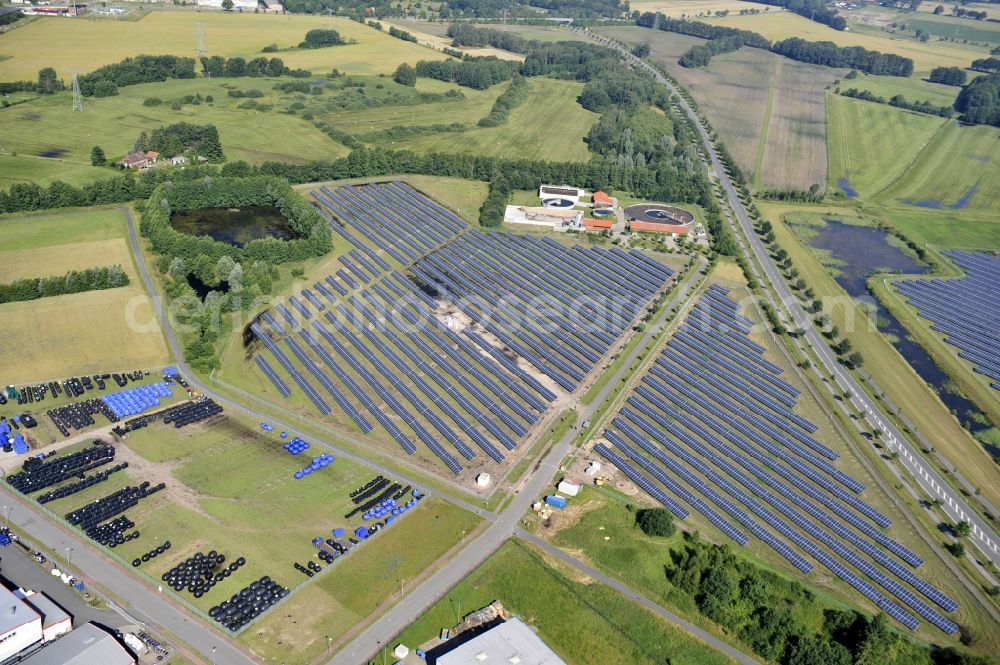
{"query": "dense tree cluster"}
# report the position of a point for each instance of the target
(764, 611)
(988, 65)
(854, 57)
(75, 281)
(478, 73)
(401, 34)
(182, 137)
(703, 30)
(962, 12)
(105, 81)
(979, 102)
(515, 95)
(948, 75)
(469, 34)
(218, 66)
(700, 55)
(814, 10)
(899, 101)
(320, 37)
(568, 8)
(405, 74)
(657, 522)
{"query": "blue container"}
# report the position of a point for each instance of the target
(338, 532)
(388, 520)
(556, 501)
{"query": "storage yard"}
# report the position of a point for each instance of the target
(469, 329)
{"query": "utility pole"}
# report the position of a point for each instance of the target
(77, 96)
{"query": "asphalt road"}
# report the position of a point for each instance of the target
(925, 474)
(367, 644)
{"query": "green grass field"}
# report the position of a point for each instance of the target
(81, 333)
(49, 125)
(959, 167)
(943, 26)
(365, 583)
(550, 125)
(913, 89)
(91, 43)
(925, 56)
(43, 171)
(947, 228)
(583, 622)
(871, 144)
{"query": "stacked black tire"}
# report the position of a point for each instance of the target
(87, 482)
(248, 604)
(191, 413)
(112, 534)
(94, 513)
(151, 554)
(199, 573)
(37, 474)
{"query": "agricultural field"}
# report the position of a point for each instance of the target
(48, 128)
(550, 125)
(947, 228)
(872, 144)
(768, 110)
(943, 26)
(80, 333)
(89, 44)
(925, 56)
(913, 89)
(438, 40)
(43, 170)
(591, 623)
(696, 8)
(956, 170)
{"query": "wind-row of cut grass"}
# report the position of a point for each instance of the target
(957, 169)
(872, 144)
(89, 44)
(582, 621)
(550, 125)
(80, 333)
(925, 56)
(891, 371)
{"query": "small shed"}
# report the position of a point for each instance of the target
(593, 468)
(568, 487)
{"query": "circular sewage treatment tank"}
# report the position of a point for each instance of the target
(557, 203)
(602, 212)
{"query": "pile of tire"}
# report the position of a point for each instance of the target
(199, 573)
(248, 603)
(151, 554)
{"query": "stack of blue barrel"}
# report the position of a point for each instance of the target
(388, 509)
(133, 401)
(20, 446)
(266, 427)
(317, 464)
(296, 446)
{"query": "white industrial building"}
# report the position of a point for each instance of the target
(559, 219)
(20, 624)
(509, 643)
(564, 192)
(55, 620)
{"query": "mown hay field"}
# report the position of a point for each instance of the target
(90, 43)
(913, 89)
(550, 125)
(957, 170)
(694, 8)
(80, 333)
(925, 56)
(872, 144)
(768, 110)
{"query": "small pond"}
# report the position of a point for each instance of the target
(861, 251)
(234, 226)
(201, 289)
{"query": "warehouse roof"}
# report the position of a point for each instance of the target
(87, 645)
(13, 612)
(509, 643)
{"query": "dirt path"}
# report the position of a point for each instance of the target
(161, 472)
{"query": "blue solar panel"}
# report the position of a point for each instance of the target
(273, 376)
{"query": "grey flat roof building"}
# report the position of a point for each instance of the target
(509, 643)
(87, 645)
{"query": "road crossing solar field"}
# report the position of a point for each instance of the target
(709, 428)
(468, 351)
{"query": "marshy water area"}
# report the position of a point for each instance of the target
(853, 252)
(234, 226)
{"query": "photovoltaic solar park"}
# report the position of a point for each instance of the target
(710, 428)
(465, 347)
(966, 310)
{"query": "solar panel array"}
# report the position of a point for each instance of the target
(710, 426)
(966, 311)
(392, 351)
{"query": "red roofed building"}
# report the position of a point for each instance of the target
(636, 225)
(602, 200)
(598, 224)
